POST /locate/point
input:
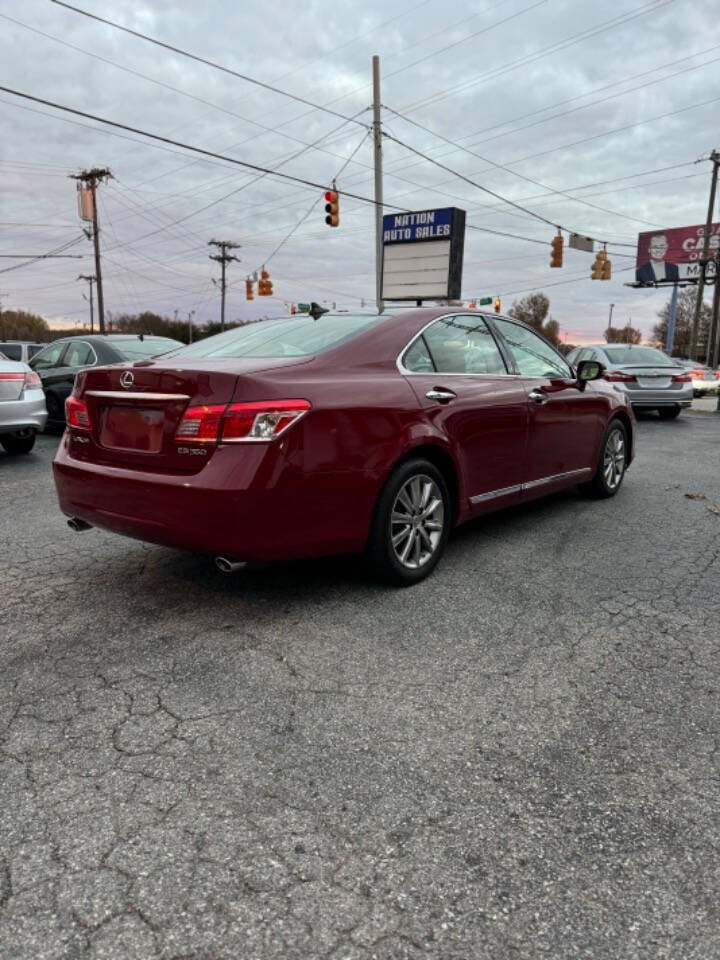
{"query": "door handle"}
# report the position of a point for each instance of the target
(442, 396)
(538, 396)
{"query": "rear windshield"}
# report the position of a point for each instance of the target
(639, 356)
(298, 336)
(142, 349)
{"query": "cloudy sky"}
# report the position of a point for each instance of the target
(591, 115)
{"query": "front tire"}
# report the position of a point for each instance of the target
(669, 413)
(612, 465)
(411, 524)
(14, 443)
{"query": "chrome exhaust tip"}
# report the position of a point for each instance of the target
(229, 566)
(78, 525)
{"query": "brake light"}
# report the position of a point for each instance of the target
(261, 420)
(32, 379)
(682, 378)
(12, 376)
(617, 376)
(201, 424)
(76, 413)
(697, 374)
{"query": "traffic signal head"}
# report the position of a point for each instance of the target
(332, 208)
(496, 304)
(556, 257)
(249, 295)
(606, 270)
(265, 287)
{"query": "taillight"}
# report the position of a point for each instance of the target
(32, 379)
(682, 378)
(697, 374)
(238, 422)
(616, 376)
(76, 413)
(261, 420)
(200, 424)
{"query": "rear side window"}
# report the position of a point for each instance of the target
(417, 358)
(298, 336)
(533, 356)
(79, 355)
(13, 351)
(463, 345)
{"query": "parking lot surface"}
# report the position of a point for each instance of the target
(517, 758)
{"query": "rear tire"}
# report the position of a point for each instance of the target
(612, 464)
(411, 524)
(669, 413)
(12, 443)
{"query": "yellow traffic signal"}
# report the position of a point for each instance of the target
(601, 268)
(249, 295)
(606, 270)
(265, 287)
(496, 304)
(556, 257)
(332, 208)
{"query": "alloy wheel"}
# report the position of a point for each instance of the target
(614, 459)
(416, 521)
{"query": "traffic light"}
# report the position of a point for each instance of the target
(556, 257)
(265, 287)
(497, 304)
(249, 295)
(332, 208)
(601, 268)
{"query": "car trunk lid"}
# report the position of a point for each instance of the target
(135, 411)
(12, 380)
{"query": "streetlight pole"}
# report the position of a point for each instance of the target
(377, 139)
(612, 307)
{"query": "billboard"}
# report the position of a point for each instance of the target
(423, 254)
(674, 254)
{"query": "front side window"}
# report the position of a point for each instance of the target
(48, 357)
(533, 356)
(13, 351)
(463, 345)
(79, 355)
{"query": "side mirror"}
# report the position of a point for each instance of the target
(589, 370)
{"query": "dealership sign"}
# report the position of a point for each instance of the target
(423, 254)
(669, 255)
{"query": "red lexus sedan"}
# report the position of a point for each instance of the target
(337, 433)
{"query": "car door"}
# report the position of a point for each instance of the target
(565, 421)
(78, 356)
(460, 377)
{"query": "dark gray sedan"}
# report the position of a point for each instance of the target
(651, 379)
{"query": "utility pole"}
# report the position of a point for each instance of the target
(191, 314)
(223, 258)
(87, 203)
(612, 307)
(377, 139)
(1, 300)
(91, 280)
(715, 159)
(714, 333)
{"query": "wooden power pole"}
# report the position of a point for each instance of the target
(223, 259)
(87, 181)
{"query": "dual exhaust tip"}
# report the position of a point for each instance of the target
(224, 564)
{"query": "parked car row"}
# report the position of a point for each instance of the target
(705, 380)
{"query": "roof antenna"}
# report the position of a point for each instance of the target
(316, 311)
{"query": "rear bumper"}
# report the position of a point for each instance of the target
(28, 412)
(249, 503)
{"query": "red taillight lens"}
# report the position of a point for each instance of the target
(76, 413)
(616, 376)
(261, 420)
(32, 379)
(12, 376)
(200, 424)
(683, 377)
(697, 374)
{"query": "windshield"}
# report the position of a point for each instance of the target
(137, 349)
(638, 356)
(298, 336)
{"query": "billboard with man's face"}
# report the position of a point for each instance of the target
(673, 254)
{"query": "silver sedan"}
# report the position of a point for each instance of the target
(651, 379)
(22, 406)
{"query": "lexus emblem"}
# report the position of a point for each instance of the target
(127, 379)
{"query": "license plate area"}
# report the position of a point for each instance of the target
(132, 428)
(654, 383)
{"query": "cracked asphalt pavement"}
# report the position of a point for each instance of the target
(518, 758)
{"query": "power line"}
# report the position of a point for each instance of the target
(203, 60)
(45, 256)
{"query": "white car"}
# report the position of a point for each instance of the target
(22, 406)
